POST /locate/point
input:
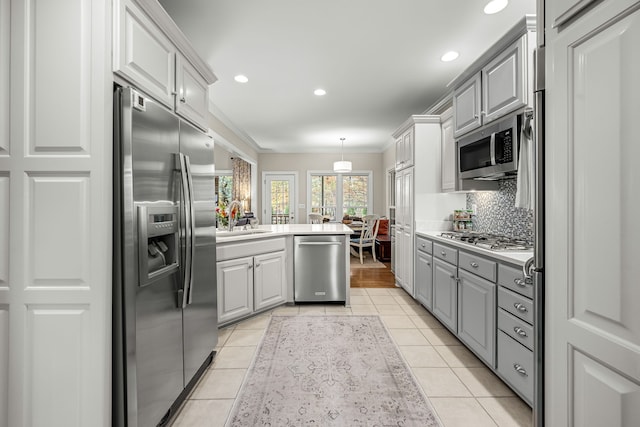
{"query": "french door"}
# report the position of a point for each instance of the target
(279, 198)
(592, 369)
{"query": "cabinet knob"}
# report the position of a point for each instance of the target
(423, 245)
(183, 100)
(520, 307)
(443, 253)
(257, 264)
(519, 369)
(428, 263)
(250, 267)
(518, 330)
(474, 265)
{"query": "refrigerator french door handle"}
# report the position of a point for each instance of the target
(187, 218)
(192, 230)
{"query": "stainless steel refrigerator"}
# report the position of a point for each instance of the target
(164, 295)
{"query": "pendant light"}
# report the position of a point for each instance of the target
(342, 165)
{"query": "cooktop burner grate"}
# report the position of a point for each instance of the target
(494, 242)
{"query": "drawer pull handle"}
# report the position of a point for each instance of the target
(443, 253)
(519, 369)
(474, 265)
(523, 283)
(520, 307)
(518, 330)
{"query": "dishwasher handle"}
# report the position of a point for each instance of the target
(319, 244)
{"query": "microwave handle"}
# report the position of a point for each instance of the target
(492, 147)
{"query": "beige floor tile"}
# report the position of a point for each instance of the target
(361, 299)
(364, 309)
(286, 310)
(199, 413)
(482, 382)
(358, 291)
(219, 384)
(397, 291)
(422, 356)
(457, 356)
(408, 337)
(312, 309)
(440, 382)
(258, 322)
(245, 337)
(395, 321)
(383, 299)
(338, 309)
(440, 336)
(390, 309)
(405, 300)
(234, 357)
(456, 412)
(507, 411)
(426, 320)
(378, 291)
(414, 310)
(224, 334)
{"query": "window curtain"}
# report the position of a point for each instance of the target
(242, 182)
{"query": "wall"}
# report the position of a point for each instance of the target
(497, 212)
(302, 163)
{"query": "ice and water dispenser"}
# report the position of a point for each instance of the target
(158, 241)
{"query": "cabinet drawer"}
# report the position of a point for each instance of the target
(513, 278)
(424, 245)
(515, 365)
(477, 265)
(445, 253)
(516, 328)
(515, 304)
(230, 250)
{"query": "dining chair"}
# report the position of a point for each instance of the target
(367, 238)
(315, 218)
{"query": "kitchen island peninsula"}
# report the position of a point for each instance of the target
(257, 268)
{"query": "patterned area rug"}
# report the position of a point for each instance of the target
(330, 371)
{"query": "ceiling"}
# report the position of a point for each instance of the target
(378, 60)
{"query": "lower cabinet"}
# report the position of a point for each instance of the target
(477, 315)
(252, 283)
(423, 281)
(445, 293)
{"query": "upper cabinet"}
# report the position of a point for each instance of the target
(150, 52)
(405, 149)
(448, 153)
(498, 83)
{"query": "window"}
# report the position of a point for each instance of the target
(337, 195)
(224, 187)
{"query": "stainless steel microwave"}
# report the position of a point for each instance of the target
(491, 152)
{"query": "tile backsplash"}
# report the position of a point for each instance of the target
(496, 212)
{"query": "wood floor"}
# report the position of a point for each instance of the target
(373, 277)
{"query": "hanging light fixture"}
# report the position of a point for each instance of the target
(342, 165)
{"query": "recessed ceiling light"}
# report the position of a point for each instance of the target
(241, 78)
(449, 56)
(319, 92)
(495, 6)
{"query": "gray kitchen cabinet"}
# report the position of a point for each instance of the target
(448, 159)
(235, 289)
(445, 293)
(504, 82)
(477, 315)
(466, 106)
(424, 272)
(269, 280)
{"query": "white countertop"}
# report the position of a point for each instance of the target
(513, 257)
(266, 231)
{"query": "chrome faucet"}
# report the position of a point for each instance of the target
(232, 221)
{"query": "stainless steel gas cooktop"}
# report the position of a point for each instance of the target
(493, 242)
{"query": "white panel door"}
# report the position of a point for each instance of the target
(55, 213)
(279, 199)
(592, 233)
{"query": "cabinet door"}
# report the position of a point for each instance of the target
(235, 289)
(407, 261)
(407, 148)
(448, 156)
(192, 94)
(407, 198)
(399, 153)
(477, 315)
(504, 83)
(424, 279)
(143, 55)
(399, 199)
(445, 293)
(466, 106)
(399, 256)
(270, 285)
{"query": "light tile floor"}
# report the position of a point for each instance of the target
(462, 390)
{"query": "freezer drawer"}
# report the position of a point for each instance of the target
(319, 268)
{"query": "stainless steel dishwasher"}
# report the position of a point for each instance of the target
(319, 268)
